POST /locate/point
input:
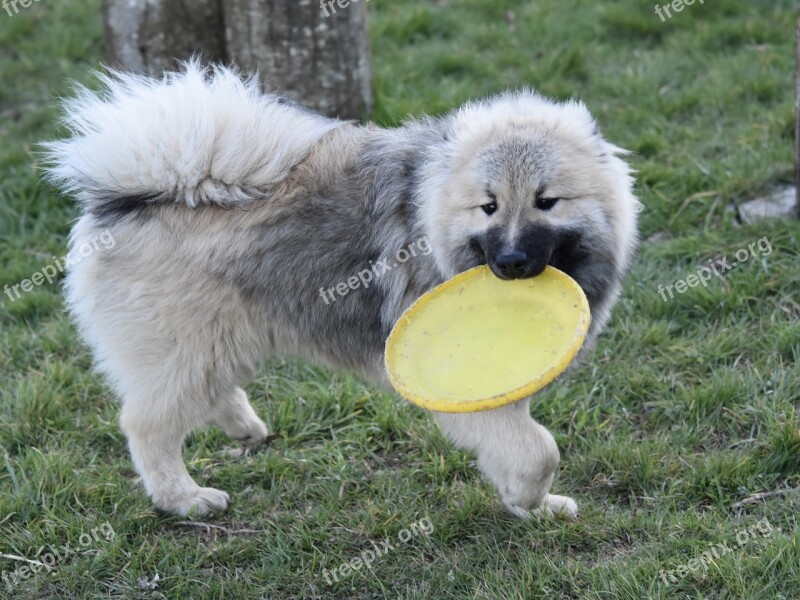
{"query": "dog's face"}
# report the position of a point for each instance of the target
(530, 185)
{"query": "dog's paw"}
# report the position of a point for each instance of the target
(554, 505)
(198, 502)
(238, 419)
(251, 431)
(551, 506)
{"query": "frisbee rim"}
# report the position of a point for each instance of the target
(514, 395)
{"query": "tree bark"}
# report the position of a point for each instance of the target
(151, 36)
(322, 62)
(315, 54)
(797, 123)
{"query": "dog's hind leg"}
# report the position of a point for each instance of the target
(172, 340)
(156, 429)
(234, 414)
(516, 454)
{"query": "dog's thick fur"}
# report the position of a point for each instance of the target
(230, 209)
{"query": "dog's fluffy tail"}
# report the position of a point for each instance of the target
(197, 136)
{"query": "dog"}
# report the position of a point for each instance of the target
(237, 216)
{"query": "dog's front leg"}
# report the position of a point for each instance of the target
(516, 453)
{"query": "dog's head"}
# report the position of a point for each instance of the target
(520, 183)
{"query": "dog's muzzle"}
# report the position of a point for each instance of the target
(519, 265)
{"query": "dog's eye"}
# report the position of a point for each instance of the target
(490, 207)
(546, 203)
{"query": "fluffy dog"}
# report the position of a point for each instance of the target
(235, 212)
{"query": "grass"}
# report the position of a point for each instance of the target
(686, 408)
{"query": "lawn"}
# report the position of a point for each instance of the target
(685, 411)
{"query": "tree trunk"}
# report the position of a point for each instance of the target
(316, 54)
(151, 36)
(322, 62)
(797, 123)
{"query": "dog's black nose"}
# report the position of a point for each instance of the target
(512, 265)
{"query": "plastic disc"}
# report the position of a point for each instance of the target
(477, 342)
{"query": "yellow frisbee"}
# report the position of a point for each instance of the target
(477, 342)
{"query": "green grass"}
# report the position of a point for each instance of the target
(685, 408)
